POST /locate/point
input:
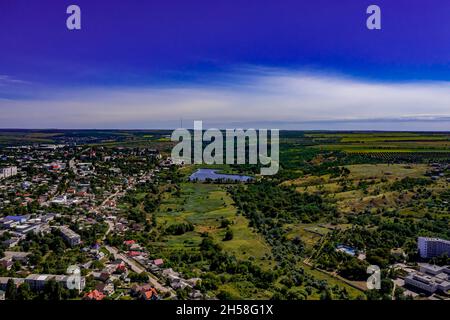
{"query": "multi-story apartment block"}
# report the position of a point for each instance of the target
(37, 282)
(70, 236)
(8, 172)
(432, 247)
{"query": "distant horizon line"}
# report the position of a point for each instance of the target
(171, 129)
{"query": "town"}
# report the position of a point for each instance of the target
(60, 207)
(112, 216)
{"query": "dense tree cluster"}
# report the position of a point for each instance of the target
(179, 228)
(409, 183)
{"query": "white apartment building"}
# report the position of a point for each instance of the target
(8, 172)
(432, 247)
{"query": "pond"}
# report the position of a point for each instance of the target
(203, 174)
(346, 249)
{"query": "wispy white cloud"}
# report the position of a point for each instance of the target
(6, 80)
(248, 96)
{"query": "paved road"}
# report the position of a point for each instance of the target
(110, 227)
(136, 267)
(72, 165)
(111, 197)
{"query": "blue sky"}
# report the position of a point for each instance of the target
(290, 64)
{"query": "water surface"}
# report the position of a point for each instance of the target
(204, 174)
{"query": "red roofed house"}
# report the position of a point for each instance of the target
(94, 295)
(150, 294)
(134, 253)
(145, 292)
(81, 194)
(158, 262)
(121, 268)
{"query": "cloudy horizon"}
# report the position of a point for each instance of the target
(260, 97)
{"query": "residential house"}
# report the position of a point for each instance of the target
(105, 288)
(94, 295)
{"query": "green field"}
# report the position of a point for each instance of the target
(400, 142)
(205, 205)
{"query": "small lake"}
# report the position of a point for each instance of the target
(346, 249)
(203, 174)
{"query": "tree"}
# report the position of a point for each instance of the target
(225, 223)
(24, 292)
(16, 266)
(97, 265)
(11, 290)
(296, 294)
(182, 294)
(228, 235)
(354, 269)
(138, 277)
(442, 260)
(326, 295)
(53, 290)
